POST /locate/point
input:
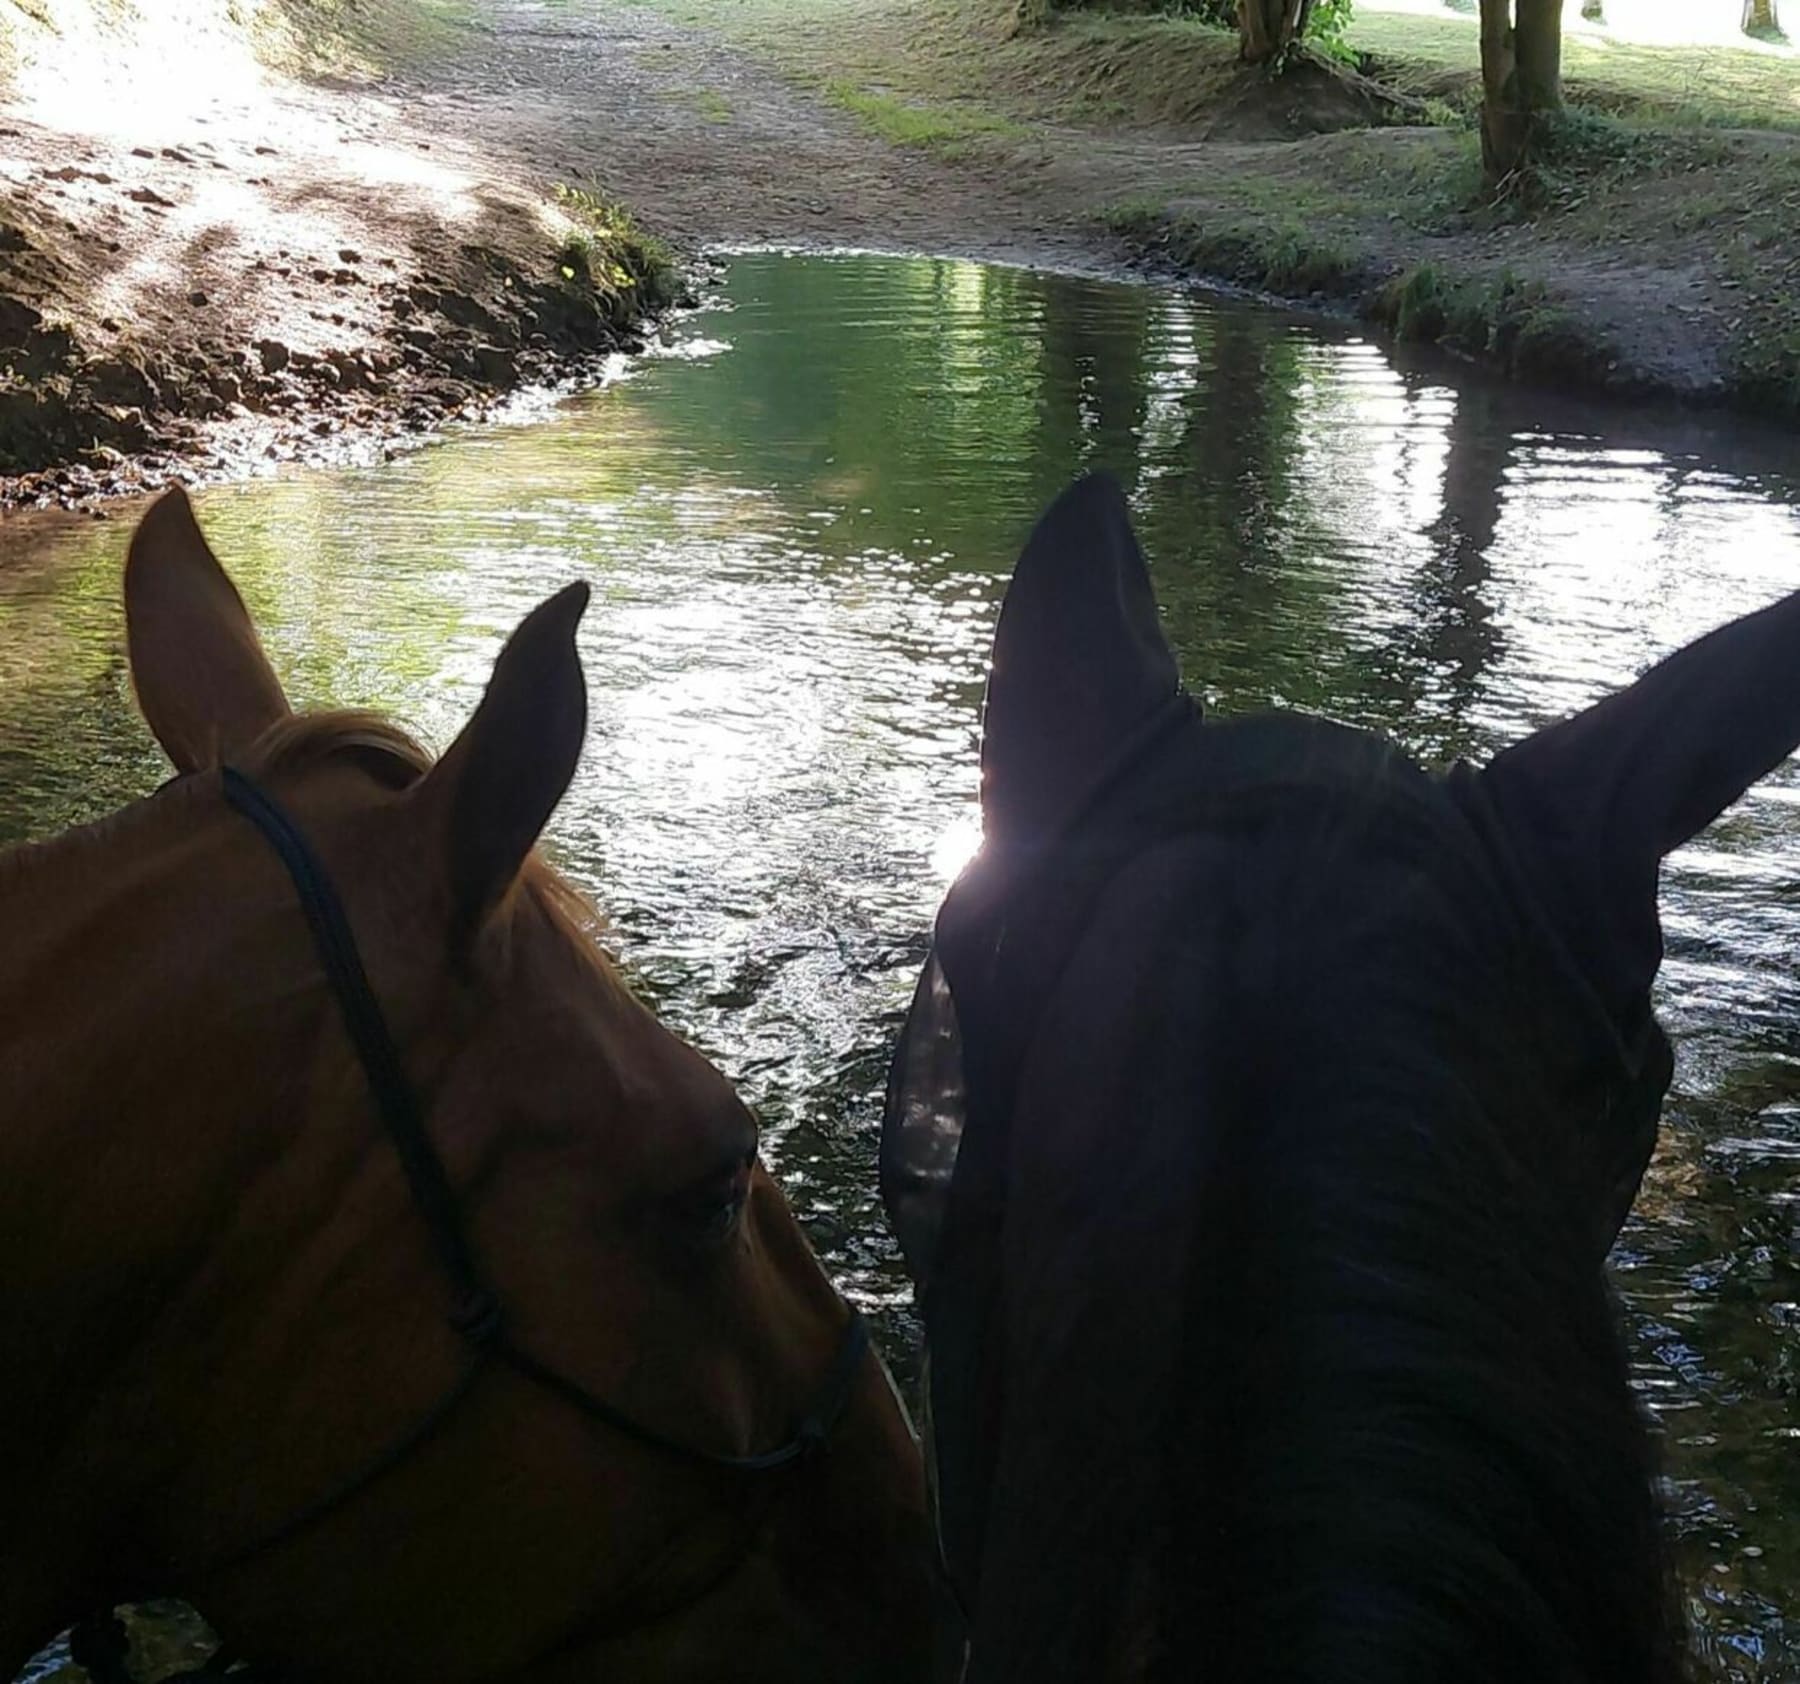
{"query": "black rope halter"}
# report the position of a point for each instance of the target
(476, 1314)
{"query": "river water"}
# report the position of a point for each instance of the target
(798, 520)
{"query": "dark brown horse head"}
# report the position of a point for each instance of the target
(232, 1373)
(1260, 1128)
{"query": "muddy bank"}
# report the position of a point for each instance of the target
(1496, 319)
(79, 423)
(262, 267)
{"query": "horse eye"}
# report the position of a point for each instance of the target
(708, 1211)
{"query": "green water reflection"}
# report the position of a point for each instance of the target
(797, 524)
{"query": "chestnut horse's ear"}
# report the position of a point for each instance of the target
(491, 794)
(1079, 662)
(203, 683)
(1593, 803)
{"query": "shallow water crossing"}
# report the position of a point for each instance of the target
(798, 522)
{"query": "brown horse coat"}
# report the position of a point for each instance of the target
(217, 1296)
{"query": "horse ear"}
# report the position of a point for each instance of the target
(489, 797)
(203, 683)
(1079, 661)
(1593, 803)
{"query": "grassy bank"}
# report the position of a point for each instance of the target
(1744, 86)
(1657, 248)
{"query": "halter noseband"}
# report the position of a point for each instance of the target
(476, 1316)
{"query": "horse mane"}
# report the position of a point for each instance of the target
(304, 741)
(396, 760)
(1305, 1292)
(1418, 1416)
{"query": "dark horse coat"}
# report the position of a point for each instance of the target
(1262, 1123)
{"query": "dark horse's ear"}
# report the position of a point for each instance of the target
(487, 800)
(203, 683)
(1592, 804)
(1079, 662)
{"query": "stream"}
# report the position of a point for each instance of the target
(798, 517)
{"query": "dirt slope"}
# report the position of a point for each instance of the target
(205, 261)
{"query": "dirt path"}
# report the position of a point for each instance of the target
(717, 147)
(713, 146)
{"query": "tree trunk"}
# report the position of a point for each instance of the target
(1267, 28)
(1521, 78)
(1759, 18)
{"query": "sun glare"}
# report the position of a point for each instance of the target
(956, 845)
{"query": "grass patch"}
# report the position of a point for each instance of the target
(942, 57)
(1579, 153)
(335, 37)
(1765, 369)
(947, 131)
(1756, 249)
(607, 255)
(1101, 68)
(1498, 319)
(1418, 179)
(344, 38)
(1504, 319)
(1679, 86)
(1576, 141)
(712, 105)
(1285, 258)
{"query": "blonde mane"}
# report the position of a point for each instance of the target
(302, 740)
(396, 760)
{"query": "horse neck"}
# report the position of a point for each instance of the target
(132, 1133)
(1403, 1239)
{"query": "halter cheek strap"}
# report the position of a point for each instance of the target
(476, 1314)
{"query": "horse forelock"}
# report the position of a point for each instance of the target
(396, 760)
(305, 740)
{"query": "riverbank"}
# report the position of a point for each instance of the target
(352, 220)
(224, 244)
(1657, 252)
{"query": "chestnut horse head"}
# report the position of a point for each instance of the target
(232, 1369)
